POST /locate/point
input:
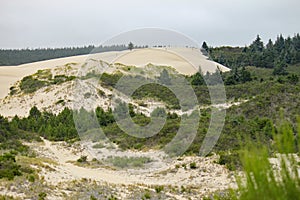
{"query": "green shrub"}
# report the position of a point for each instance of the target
(230, 160)
(42, 196)
(29, 84)
(193, 165)
(159, 188)
(82, 159)
(147, 195)
(127, 162)
(98, 146)
(8, 166)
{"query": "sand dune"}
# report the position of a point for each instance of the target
(184, 60)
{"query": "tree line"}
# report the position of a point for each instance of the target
(283, 51)
(21, 56)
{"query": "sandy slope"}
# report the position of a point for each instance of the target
(208, 176)
(184, 60)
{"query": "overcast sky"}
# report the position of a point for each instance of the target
(60, 23)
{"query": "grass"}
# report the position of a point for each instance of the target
(128, 162)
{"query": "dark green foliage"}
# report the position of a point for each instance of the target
(205, 47)
(110, 80)
(93, 198)
(130, 46)
(50, 126)
(104, 118)
(42, 196)
(164, 77)
(82, 159)
(112, 197)
(125, 162)
(29, 84)
(283, 50)
(58, 79)
(197, 79)
(193, 165)
(8, 166)
(16, 56)
(159, 92)
(293, 79)
(147, 195)
(230, 160)
(10, 136)
(280, 68)
(159, 188)
(237, 76)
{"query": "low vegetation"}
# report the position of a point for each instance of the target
(128, 162)
(40, 79)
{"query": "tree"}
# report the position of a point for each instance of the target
(257, 45)
(197, 79)
(245, 75)
(34, 113)
(130, 46)
(164, 77)
(205, 47)
(280, 68)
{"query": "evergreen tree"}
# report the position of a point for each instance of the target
(130, 46)
(197, 79)
(280, 68)
(164, 77)
(257, 45)
(205, 47)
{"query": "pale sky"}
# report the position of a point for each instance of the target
(61, 23)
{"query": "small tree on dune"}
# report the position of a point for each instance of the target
(130, 46)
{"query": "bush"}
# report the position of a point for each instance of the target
(42, 196)
(8, 166)
(230, 160)
(29, 84)
(159, 188)
(82, 159)
(193, 165)
(126, 162)
(147, 195)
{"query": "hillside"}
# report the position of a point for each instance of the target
(65, 141)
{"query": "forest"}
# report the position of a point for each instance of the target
(22, 56)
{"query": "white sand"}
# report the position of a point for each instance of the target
(184, 60)
(208, 176)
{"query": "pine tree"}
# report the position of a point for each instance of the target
(130, 46)
(205, 47)
(164, 77)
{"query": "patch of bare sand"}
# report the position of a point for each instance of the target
(207, 177)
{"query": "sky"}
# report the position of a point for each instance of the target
(64, 23)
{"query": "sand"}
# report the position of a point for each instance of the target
(208, 176)
(184, 60)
